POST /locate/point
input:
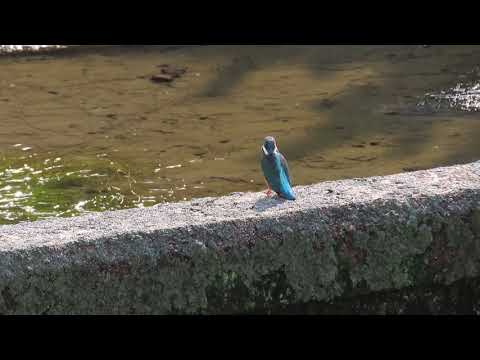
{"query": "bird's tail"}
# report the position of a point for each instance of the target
(288, 193)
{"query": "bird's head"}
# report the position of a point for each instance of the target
(269, 146)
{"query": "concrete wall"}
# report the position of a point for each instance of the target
(244, 252)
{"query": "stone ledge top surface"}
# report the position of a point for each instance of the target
(400, 188)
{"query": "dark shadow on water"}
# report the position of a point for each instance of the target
(229, 76)
(351, 108)
(267, 203)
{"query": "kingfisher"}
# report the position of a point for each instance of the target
(275, 170)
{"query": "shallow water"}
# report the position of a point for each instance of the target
(86, 130)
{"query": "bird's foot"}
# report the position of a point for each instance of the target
(269, 193)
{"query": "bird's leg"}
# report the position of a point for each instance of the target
(269, 191)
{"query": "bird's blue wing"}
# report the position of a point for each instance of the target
(284, 164)
(270, 173)
(276, 173)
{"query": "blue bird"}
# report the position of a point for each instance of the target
(275, 170)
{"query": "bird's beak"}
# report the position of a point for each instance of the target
(265, 150)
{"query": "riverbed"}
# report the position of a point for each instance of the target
(87, 130)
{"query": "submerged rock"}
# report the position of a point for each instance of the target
(168, 73)
(162, 78)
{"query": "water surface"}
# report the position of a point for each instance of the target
(86, 130)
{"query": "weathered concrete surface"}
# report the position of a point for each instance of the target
(245, 252)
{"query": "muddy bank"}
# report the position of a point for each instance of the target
(75, 50)
(9, 49)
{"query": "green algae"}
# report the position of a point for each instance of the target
(32, 188)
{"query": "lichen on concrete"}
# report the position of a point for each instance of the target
(245, 253)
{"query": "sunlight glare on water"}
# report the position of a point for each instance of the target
(463, 96)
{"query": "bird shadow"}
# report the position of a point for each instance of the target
(267, 203)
